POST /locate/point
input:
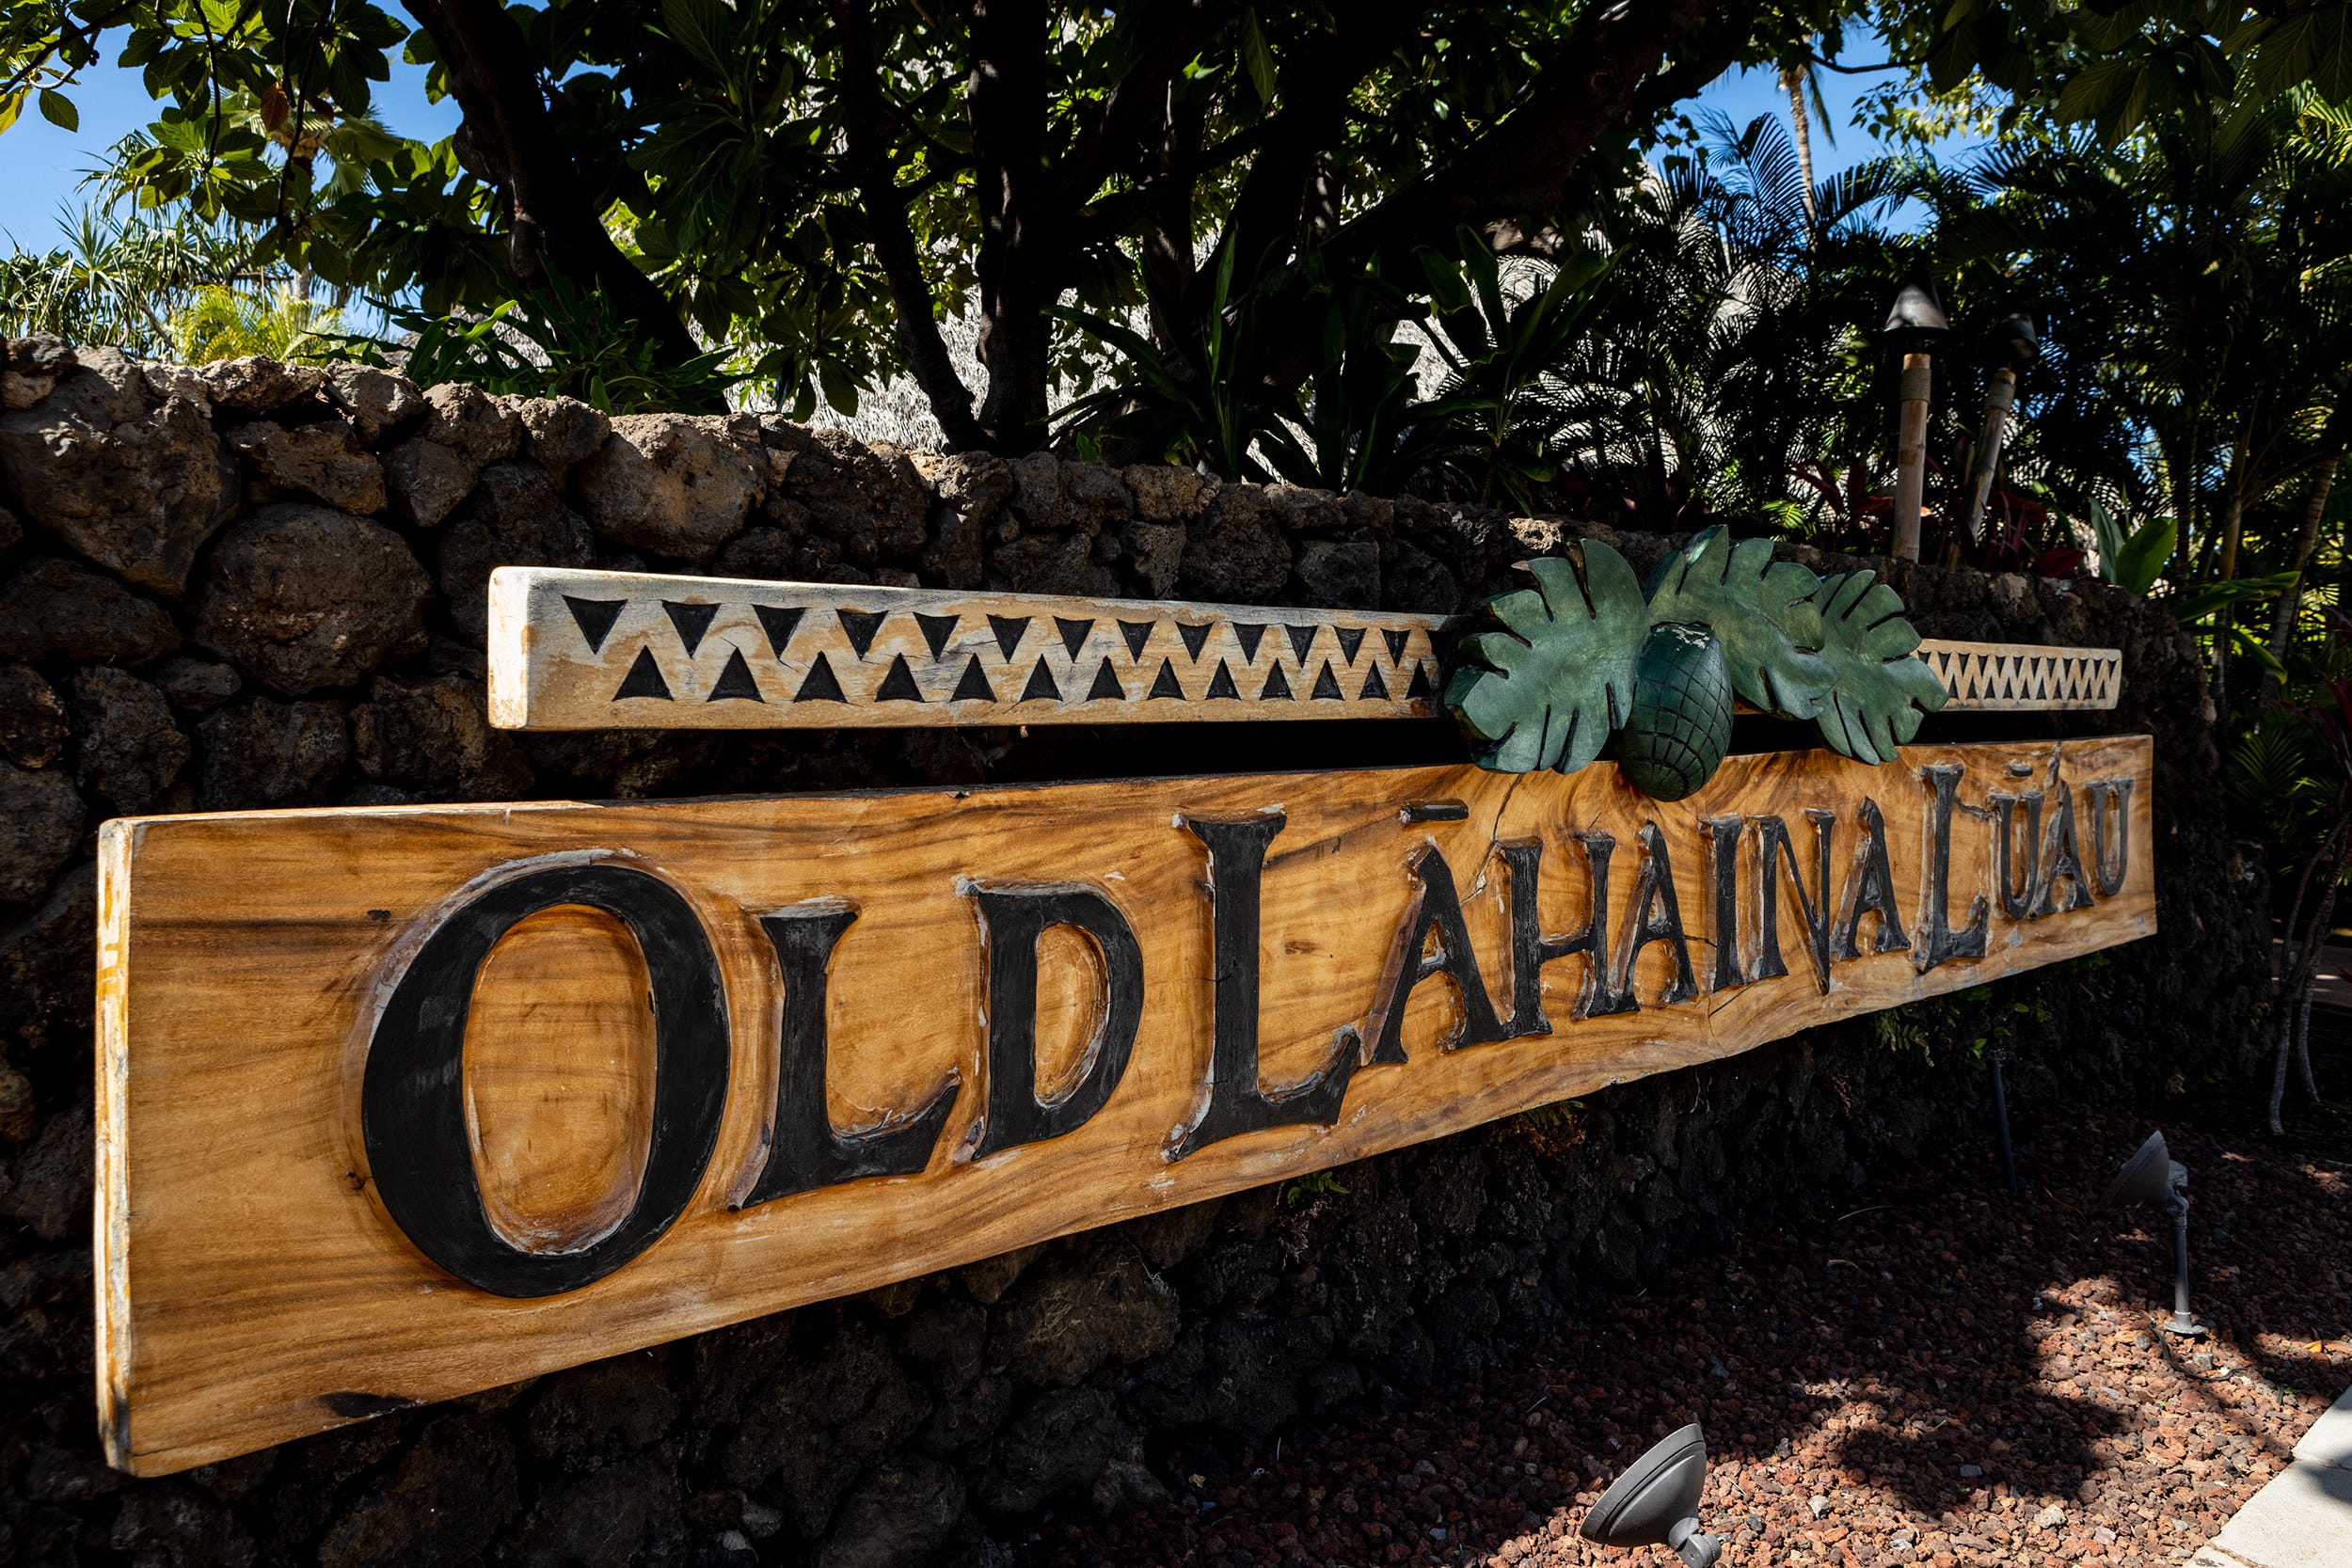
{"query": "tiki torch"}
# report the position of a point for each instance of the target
(2016, 347)
(1915, 324)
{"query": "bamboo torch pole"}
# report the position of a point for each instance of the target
(1913, 325)
(2019, 345)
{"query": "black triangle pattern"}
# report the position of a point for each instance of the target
(1040, 685)
(936, 630)
(1165, 684)
(736, 681)
(974, 684)
(1008, 630)
(778, 620)
(1396, 640)
(860, 626)
(691, 620)
(1196, 637)
(1302, 639)
(594, 618)
(1137, 633)
(897, 684)
(644, 679)
(1106, 686)
(1374, 687)
(1418, 691)
(1351, 639)
(1074, 633)
(1221, 684)
(821, 685)
(1278, 688)
(1249, 634)
(1326, 685)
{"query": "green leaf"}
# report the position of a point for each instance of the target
(58, 110)
(1880, 690)
(1257, 57)
(1763, 612)
(2199, 604)
(1546, 692)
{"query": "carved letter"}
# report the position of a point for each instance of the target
(2016, 898)
(1238, 1103)
(2110, 795)
(1530, 949)
(1723, 861)
(1940, 943)
(1773, 851)
(1869, 890)
(412, 1101)
(1011, 920)
(2062, 861)
(1436, 908)
(804, 1149)
(1655, 888)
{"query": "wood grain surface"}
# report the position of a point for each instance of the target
(253, 1287)
(572, 650)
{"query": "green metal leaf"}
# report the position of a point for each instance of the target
(1546, 692)
(1881, 692)
(1762, 611)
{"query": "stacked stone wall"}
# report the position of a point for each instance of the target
(250, 585)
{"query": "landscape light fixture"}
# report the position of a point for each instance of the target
(2014, 347)
(1656, 1503)
(1915, 324)
(2153, 1177)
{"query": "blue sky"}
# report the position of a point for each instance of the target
(43, 164)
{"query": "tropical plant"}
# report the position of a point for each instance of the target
(118, 280)
(2134, 560)
(228, 323)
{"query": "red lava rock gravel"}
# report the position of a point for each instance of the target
(1935, 1378)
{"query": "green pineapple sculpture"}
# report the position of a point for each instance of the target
(1585, 652)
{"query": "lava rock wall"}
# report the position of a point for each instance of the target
(249, 584)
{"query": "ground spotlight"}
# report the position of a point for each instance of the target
(1656, 1503)
(2153, 1177)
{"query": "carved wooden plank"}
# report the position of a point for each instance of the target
(372, 1131)
(603, 650)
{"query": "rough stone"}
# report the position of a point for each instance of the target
(560, 433)
(29, 369)
(322, 460)
(301, 597)
(49, 1191)
(179, 1526)
(130, 751)
(609, 1518)
(1083, 1309)
(260, 753)
(440, 1504)
(899, 1513)
(139, 495)
(973, 487)
(1339, 576)
(512, 518)
(33, 728)
(1305, 513)
(254, 386)
(679, 485)
(47, 954)
(433, 735)
(40, 827)
(55, 607)
(1058, 1444)
(1097, 498)
(990, 1277)
(1165, 494)
(869, 500)
(1413, 580)
(195, 684)
(600, 1413)
(1039, 564)
(377, 402)
(1155, 553)
(1234, 553)
(464, 431)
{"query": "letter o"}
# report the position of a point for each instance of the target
(412, 1110)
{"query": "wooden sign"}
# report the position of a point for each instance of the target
(400, 1103)
(599, 650)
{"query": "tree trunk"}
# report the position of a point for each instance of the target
(1800, 128)
(1018, 268)
(507, 138)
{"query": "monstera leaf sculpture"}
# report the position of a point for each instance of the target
(1546, 692)
(1583, 653)
(1880, 693)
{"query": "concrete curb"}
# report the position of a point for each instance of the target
(2303, 1517)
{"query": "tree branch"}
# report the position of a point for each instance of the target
(507, 128)
(893, 239)
(1136, 109)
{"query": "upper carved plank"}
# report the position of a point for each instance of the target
(573, 650)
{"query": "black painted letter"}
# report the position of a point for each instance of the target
(1869, 890)
(804, 1149)
(1238, 1103)
(1012, 919)
(1655, 888)
(1530, 949)
(1773, 851)
(1723, 865)
(2110, 795)
(412, 1104)
(2016, 898)
(1940, 944)
(1436, 907)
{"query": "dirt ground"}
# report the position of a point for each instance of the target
(1939, 1376)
